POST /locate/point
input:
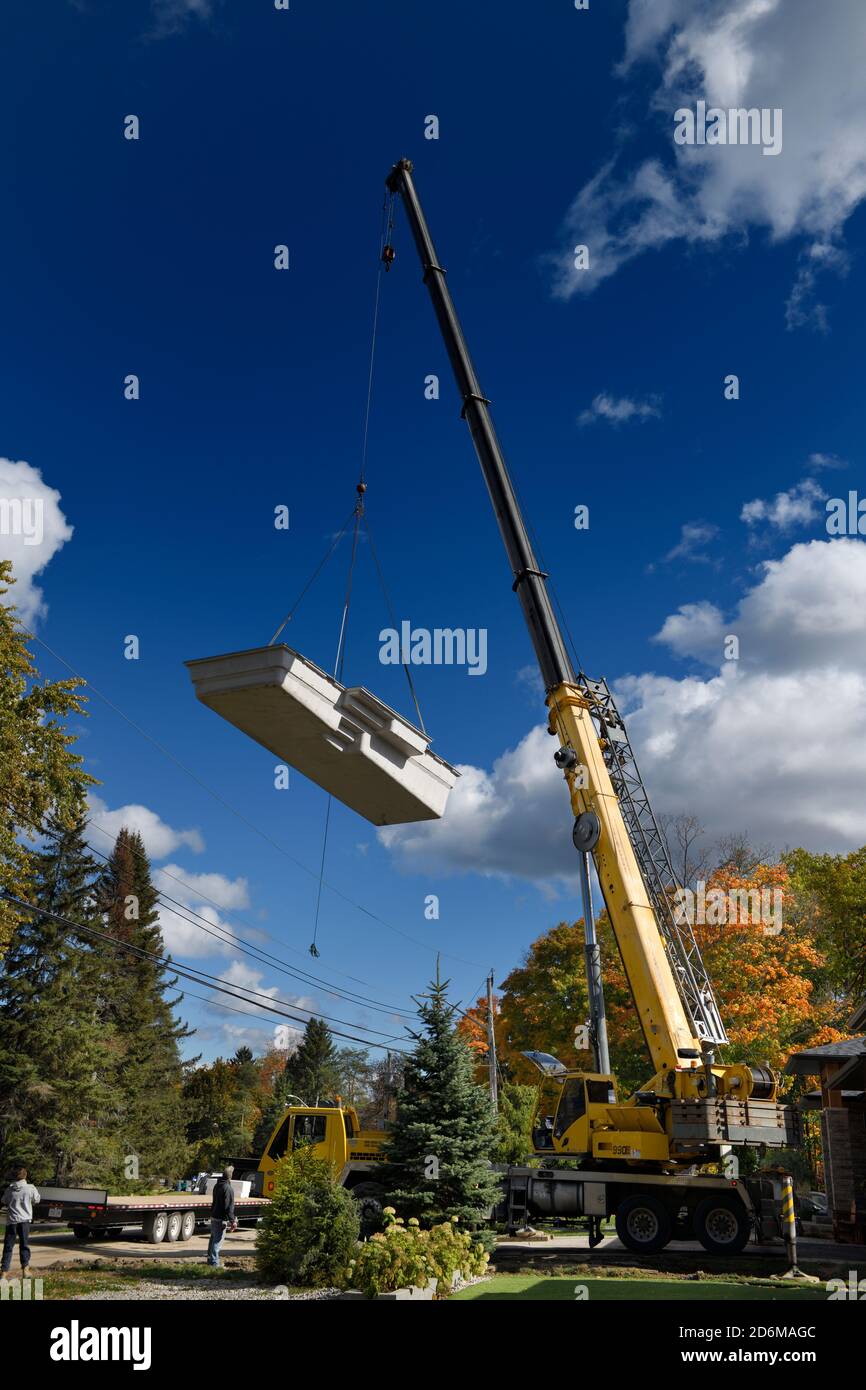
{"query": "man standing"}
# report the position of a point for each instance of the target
(222, 1215)
(18, 1199)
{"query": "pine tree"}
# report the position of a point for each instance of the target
(133, 1005)
(211, 1115)
(313, 1069)
(39, 772)
(445, 1129)
(246, 1110)
(57, 1062)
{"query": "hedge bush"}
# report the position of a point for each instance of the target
(404, 1255)
(311, 1227)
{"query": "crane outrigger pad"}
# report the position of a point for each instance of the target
(344, 739)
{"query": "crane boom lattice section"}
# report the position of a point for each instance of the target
(651, 852)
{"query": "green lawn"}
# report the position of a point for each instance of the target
(533, 1286)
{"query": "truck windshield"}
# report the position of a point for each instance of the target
(309, 1129)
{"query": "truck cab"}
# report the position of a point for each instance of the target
(333, 1133)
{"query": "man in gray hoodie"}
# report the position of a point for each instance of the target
(19, 1199)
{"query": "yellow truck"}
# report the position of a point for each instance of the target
(334, 1133)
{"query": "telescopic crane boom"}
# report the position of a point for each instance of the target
(669, 984)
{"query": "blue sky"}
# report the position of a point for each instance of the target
(155, 257)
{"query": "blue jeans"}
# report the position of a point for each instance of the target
(217, 1235)
(20, 1231)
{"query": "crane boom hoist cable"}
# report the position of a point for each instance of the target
(694, 1108)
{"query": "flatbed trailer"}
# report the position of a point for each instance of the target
(93, 1213)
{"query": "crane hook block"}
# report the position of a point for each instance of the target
(389, 256)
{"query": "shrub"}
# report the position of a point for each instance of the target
(403, 1255)
(310, 1229)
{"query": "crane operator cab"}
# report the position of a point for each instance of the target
(570, 1106)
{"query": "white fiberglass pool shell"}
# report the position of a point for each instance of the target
(344, 739)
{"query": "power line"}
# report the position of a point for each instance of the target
(256, 953)
(312, 1012)
(264, 957)
(215, 1004)
(190, 972)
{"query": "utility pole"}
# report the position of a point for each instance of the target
(491, 1044)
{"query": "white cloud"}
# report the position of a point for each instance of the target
(774, 743)
(695, 630)
(32, 530)
(736, 53)
(244, 977)
(694, 535)
(171, 16)
(190, 888)
(530, 681)
(186, 936)
(513, 819)
(619, 410)
(801, 307)
(820, 461)
(159, 838)
(796, 507)
(807, 612)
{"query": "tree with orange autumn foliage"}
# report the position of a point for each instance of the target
(544, 999)
(766, 967)
(767, 971)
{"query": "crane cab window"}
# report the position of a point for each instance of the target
(572, 1105)
(280, 1141)
(309, 1129)
(600, 1093)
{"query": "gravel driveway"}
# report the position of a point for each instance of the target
(200, 1291)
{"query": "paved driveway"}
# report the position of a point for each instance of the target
(48, 1248)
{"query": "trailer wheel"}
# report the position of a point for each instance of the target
(187, 1225)
(82, 1232)
(172, 1230)
(155, 1227)
(722, 1225)
(370, 1197)
(643, 1224)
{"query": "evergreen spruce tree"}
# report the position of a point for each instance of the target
(246, 1110)
(133, 1006)
(313, 1069)
(211, 1115)
(445, 1129)
(57, 1061)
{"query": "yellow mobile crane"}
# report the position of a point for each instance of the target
(695, 1107)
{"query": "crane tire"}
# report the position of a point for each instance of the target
(370, 1197)
(722, 1224)
(643, 1224)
